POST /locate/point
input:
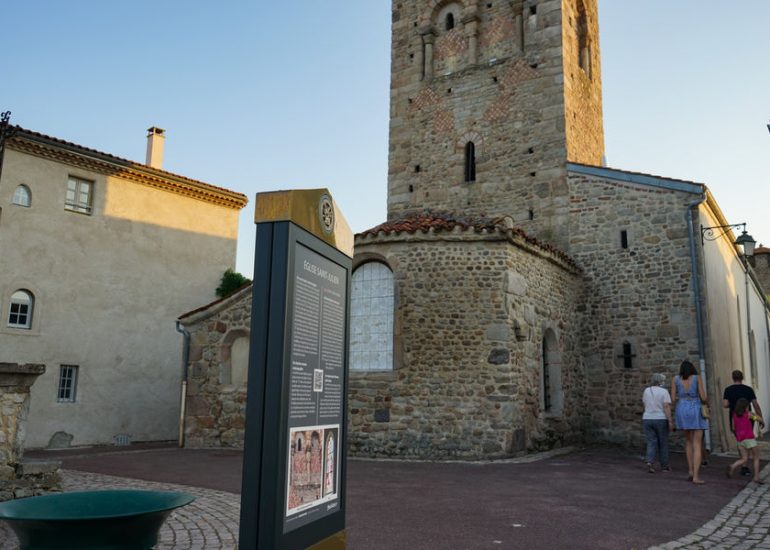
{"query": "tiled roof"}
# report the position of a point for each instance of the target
(761, 250)
(446, 221)
(427, 220)
(30, 135)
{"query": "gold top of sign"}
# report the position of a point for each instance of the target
(314, 210)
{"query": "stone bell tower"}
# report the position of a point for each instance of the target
(489, 101)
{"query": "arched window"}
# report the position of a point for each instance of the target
(450, 21)
(329, 482)
(20, 312)
(22, 196)
(552, 399)
(470, 162)
(371, 318)
(234, 358)
(239, 361)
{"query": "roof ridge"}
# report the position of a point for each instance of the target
(31, 135)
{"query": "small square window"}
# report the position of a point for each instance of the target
(68, 380)
(79, 195)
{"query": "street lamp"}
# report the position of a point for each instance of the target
(745, 241)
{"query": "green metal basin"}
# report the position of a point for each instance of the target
(114, 520)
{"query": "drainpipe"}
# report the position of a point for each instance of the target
(698, 308)
(745, 265)
(185, 359)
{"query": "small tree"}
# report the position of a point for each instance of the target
(231, 281)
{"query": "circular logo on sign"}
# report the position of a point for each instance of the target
(326, 214)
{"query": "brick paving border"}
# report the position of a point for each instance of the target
(743, 524)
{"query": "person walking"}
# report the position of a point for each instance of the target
(688, 394)
(657, 422)
(743, 426)
(730, 397)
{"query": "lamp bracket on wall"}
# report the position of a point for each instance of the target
(716, 231)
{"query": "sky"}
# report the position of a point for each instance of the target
(259, 96)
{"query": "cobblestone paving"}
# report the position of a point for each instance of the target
(210, 522)
(743, 524)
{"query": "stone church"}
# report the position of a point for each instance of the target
(520, 293)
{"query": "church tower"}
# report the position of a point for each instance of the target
(489, 101)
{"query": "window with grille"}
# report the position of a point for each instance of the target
(22, 196)
(68, 380)
(79, 195)
(371, 318)
(20, 311)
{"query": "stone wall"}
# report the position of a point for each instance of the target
(216, 407)
(506, 94)
(761, 264)
(582, 82)
(18, 478)
(641, 294)
(471, 313)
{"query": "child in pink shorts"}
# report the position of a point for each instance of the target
(743, 424)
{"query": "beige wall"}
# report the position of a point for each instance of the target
(728, 324)
(108, 287)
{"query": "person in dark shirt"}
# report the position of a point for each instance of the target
(731, 396)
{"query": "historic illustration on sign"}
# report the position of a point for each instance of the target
(312, 467)
(330, 463)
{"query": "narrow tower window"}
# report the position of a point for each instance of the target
(546, 379)
(624, 239)
(470, 162)
(628, 355)
(450, 21)
(584, 49)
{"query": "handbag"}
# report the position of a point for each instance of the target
(704, 410)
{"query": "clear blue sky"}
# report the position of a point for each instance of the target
(259, 96)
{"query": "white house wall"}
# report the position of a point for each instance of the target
(726, 324)
(108, 287)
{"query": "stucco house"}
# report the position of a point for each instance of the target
(99, 255)
(520, 293)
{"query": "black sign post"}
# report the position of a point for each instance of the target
(293, 489)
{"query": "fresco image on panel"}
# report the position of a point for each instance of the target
(312, 467)
(330, 462)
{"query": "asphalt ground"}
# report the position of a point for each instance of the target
(589, 499)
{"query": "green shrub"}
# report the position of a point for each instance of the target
(231, 281)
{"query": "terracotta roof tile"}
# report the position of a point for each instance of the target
(761, 250)
(447, 221)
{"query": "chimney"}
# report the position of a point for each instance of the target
(155, 138)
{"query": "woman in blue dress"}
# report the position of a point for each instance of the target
(688, 393)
